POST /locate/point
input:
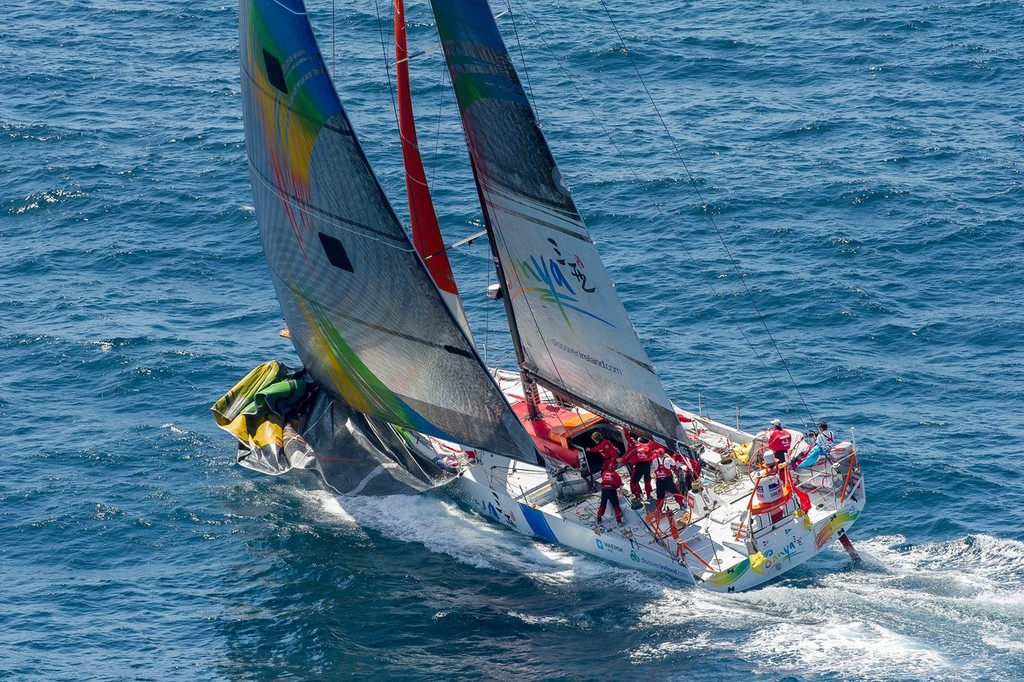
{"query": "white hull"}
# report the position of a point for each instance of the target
(787, 545)
(629, 544)
(707, 545)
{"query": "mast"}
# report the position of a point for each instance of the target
(529, 385)
(426, 233)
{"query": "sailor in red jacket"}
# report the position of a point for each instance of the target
(610, 484)
(604, 447)
(779, 441)
(638, 456)
(663, 465)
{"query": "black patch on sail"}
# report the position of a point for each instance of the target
(335, 252)
(458, 351)
(274, 72)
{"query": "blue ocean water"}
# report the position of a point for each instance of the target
(820, 218)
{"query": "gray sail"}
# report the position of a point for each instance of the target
(365, 317)
(573, 330)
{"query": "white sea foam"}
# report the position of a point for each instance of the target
(442, 527)
(920, 612)
(907, 612)
(925, 614)
(852, 648)
(174, 429)
(531, 619)
(330, 504)
(668, 648)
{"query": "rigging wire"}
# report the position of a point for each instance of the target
(336, 221)
(437, 130)
(522, 57)
(658, 208)
(488, 264)
(708, 216)
(387, 64)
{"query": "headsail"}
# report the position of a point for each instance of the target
(365, 317)
(574, 332)
(426, 233)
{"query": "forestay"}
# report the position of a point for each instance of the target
(365, 317)
(574, 331)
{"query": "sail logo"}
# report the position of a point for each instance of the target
(555, 279)
(575, 268)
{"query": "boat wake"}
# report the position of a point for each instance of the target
(937, 611)
(442, 527)
(934, 611)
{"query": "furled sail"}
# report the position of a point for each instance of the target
(426, 233)
(365, 317)
(574, 332)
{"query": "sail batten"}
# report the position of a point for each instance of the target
(365, 317)
(573, 330)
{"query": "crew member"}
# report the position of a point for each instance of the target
(610, 484)
(821, 442)
(604, 447)
(638, 457)
(779, 441)
(825, 436)
(665, 483)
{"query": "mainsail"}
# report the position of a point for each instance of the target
(426, 233)
(365, 317)
(574, 332)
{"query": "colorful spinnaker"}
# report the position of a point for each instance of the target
(366, 318)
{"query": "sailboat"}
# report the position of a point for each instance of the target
(394, 396)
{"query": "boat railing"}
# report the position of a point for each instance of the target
(667, 532)
(837, 479)
(852, 476)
